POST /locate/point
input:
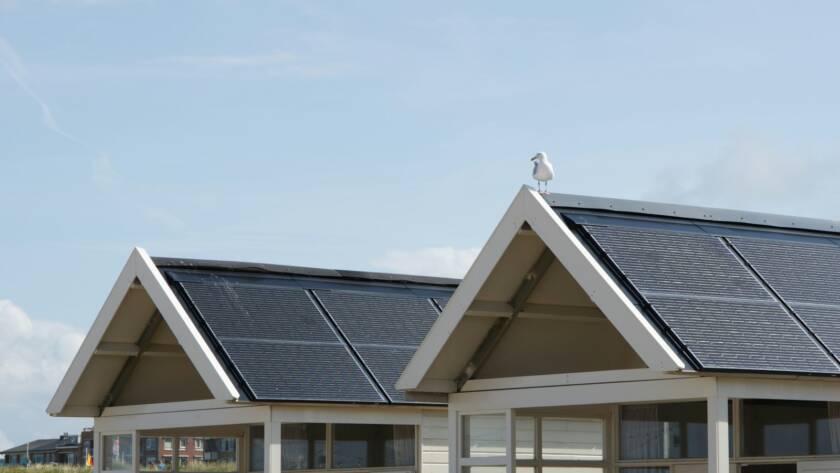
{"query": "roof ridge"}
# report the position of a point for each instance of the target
(691, 212)
(267, 268)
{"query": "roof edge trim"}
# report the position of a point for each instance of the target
(585, 268)
(709, 214)
(140, 267)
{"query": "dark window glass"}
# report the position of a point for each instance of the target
(372, 446)
(785, 428)
(658, 431)
(257, 452)
(783, 468)
(647, 469)
(303, 446)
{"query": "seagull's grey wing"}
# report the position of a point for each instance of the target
(534, 172)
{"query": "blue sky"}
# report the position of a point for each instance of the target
(371, 135)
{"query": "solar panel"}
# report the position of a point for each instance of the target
(710, 300)
(276, 338)
(806, 276)
(385, 328)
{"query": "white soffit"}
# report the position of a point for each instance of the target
(619, 309)
(141, 268)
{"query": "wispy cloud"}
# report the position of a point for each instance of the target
(437, 261)
(36, 354)
(14, 67)
(248, 60)
(752, 174)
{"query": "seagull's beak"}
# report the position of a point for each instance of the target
(534, 158)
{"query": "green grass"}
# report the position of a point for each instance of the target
(45, 469)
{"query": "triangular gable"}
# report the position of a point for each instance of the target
(529, 210)
(139, 269)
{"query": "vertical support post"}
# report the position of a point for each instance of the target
(272, 447)
(510, 440)
(135, 451)
(718, 428)
(454, 441)
(97, 450)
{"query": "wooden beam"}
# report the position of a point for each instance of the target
(131, 363)
(529, 282)
(132, 349)
(535, 311)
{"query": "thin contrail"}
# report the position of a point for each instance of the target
(10, 61)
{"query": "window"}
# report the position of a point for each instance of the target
(572, 439)
(218, 454)
(483, 435)
(117, 453)
(303, 446)
(373, 446)
(663, 431)
(150, 456)
(182, 444)
(167, 443)
(525, 440)
(771, 468)
(257, 448)
(790, 428)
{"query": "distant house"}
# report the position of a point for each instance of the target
(198, 366)
(65, 450)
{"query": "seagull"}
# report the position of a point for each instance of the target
(543, 171)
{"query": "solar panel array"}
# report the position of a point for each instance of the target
(741, 299)
(309, 338)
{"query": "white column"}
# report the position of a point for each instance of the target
(718, 425)
(510, 440)
(454, 435)
(272, 462)
(97, 450)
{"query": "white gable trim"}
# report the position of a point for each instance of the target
(530, 207)
(141, 268)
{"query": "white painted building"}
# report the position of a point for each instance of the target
(207, 366)
(595, 335)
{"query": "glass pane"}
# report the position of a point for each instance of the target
(572, 439)
(257, 448)
(525, 433)
(152, 455)
(779, 468)
(373, 446)
(484, 435)
(649, 469)
(117, 453)
(207, 454)
(658, 431)
(303, 446)
(786, 428)
(572, 469)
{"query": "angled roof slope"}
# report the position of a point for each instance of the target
(309, 335)
(34, 446)
(732, 291)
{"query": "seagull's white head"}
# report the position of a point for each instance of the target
(541, 157)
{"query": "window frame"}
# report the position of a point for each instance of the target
(328, 445)
(538, 462)
(135, 440)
